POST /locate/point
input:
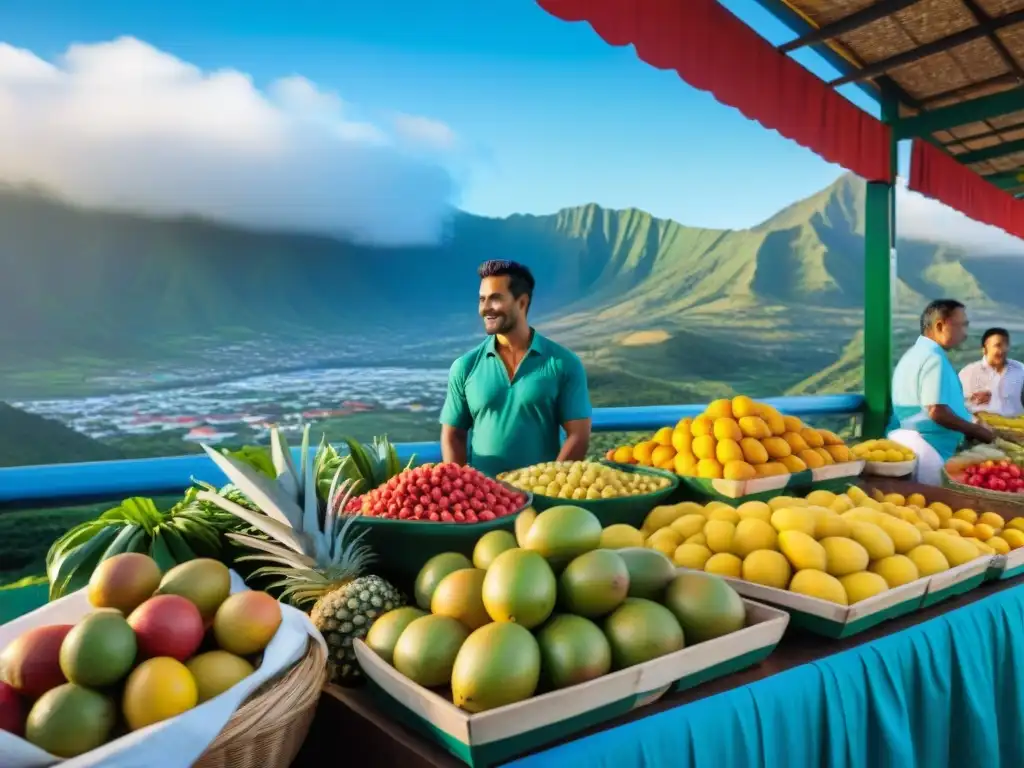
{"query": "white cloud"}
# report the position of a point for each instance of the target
(921, 218)
(121, 124)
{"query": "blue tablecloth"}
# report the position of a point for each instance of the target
(948, 693)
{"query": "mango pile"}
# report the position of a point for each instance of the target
(580, 480)
(737, 439)
(883, 451)
(499, 628)
(843, 548)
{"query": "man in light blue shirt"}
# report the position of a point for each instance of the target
(929, 414)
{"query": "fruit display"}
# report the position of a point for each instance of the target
(579, 480)
(883, 452)
(439, 493)
(547, 610)
(1014, 451)
(737, 439)
(308, 546)
(1011, 426)
(145, 654)
(843, 548)
(998, 467)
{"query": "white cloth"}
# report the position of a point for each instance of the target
(1006, 387)
(929, 462)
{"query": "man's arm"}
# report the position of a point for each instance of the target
(574, 412)
(943, 416)
(455, 417)
(939, 390)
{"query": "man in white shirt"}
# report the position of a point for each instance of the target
(994, 384)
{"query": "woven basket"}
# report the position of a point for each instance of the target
(267, 731)
(983, 493)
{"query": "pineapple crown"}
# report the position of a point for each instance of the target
(306, 533)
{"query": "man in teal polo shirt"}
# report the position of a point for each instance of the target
(510, 397)
(929, 415)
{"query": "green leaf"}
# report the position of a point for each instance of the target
(264, 492)
(160, 552)
(270, 526)
(75, 569)
(176, 544)
(255, 456)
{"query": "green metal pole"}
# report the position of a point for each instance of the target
(879, 273)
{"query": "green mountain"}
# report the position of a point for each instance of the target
(29, 439)
(657, 309)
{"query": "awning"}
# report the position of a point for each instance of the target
(937, 175)
(716, 52)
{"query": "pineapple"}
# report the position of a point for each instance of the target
(310, 548)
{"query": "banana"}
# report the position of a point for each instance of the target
(75, 569)
(176, 544)
(159, 551)
(120, 543)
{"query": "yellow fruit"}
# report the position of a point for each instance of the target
(872, 504)
(751, 535)
(830, 525)
(724, 564)
(949, 532)
(773, 419)
(896, 499)
(876, 541)
(771, 469)
(156, 690)
(687, 525)
(830, 438)
(719, 409)
(682, 440)
(216, 672)
(862, 515)
(818, 584)
(896, 570)
(861, 586)
(684, 424)
(825, 456)
(754, 426)
(1013, 537)
(621, 536)
(928, 559)
(821, 498)
(754, 509)
(942, 510)
(623, 454)
(981, 546)
(691, 556)
(642, 452)
(710, 469)
(728, 450)
(753, 451)
(842, 504)
(802, 550)
(878, 456)
(930, 517)
(663, 457)
(966, 514)
(983, 531)
(767, 567)
(856, 495)
(904, 536)
(793, 519)
(697, 538)
(839, 453)
(793, 464)
(811, 437)
(960, 525)
(663, 436)
(783, 502)
(956, 550)
(916, 500)
(711, 506)
(685, 464)
(1017, 523)
(777, 447)
(719, 534)
(992, 520)
(704, 447)
(738, 470)
(844, 555)
(727, 429)
(743, 406)
(702, 426)
(894, 456)
(999, 545)
(665, 541)
(793, 424)
(664, 515)
(796, 443)
(723, 512)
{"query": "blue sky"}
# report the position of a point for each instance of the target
(550, 115)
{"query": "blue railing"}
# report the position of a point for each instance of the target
(52, 485)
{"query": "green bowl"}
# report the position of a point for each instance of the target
(628, 509)
(403, 546)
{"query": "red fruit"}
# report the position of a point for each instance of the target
(12, 711)
(167, 625)
(31, 664)
(486, 515)
(973, 480)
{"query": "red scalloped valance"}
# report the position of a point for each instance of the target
(714, 51)
(935, 174)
